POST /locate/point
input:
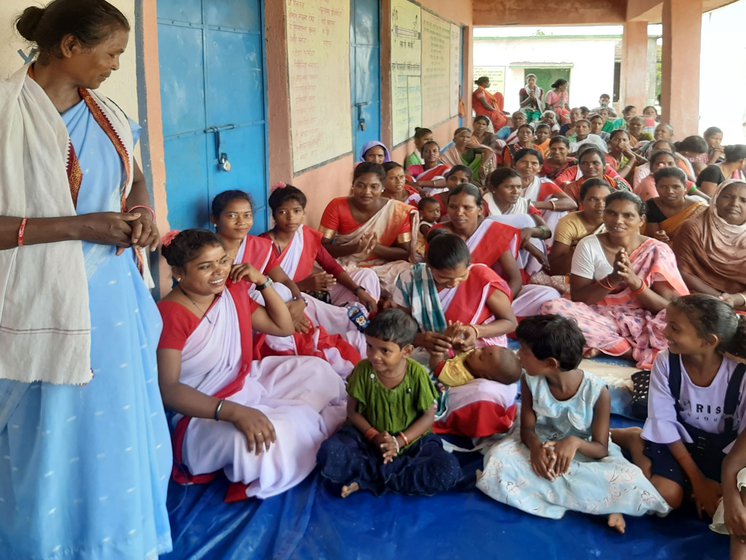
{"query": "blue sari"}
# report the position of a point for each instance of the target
(84, 470)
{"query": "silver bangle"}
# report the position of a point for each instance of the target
(219, 408)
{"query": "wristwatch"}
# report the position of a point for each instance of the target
(267, 284)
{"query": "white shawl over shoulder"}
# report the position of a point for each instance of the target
(44, 315)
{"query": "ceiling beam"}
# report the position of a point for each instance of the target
(534, 12)
(644, 10)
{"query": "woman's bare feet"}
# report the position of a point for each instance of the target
(350, 488)
(616, 521)
(629, 439)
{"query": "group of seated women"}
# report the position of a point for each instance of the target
(260, 332)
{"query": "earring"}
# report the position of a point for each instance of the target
(178, 279)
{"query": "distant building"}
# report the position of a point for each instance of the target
(589, 61)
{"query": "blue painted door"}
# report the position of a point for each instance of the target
(365, 66)
(214, 102)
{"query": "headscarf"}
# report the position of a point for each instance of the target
(373, 144)
(721, 239)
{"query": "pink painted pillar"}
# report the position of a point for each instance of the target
(634, 65)
(682, 38)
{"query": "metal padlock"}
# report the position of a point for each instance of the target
(224, 163)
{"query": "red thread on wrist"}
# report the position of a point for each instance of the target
(22, 232)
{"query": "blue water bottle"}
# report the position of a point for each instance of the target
(358, 315)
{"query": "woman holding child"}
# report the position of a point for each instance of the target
(459, 306)
(261, 422)
(620, 284)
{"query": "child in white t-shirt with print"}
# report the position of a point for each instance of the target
(697, 402)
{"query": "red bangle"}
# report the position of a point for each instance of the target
(404, 438)
(371, 433)
(148, 208)
(642, 288)
(22, 231)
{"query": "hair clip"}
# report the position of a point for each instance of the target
(167, 239)
(278, 185)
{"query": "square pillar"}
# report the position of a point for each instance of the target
(682, 39)
(634, 77)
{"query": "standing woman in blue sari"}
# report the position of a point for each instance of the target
(84, 443)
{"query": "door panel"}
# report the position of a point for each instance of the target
(234, 13)
(212, 77)
(245, 148)
(186, 163)
(365, 63)
(182, 79)
(185, 11)
(234, 91)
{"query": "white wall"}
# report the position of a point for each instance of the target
(722, 99)
(121, 86)
(591, 59)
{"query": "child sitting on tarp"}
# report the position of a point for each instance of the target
(387, 444)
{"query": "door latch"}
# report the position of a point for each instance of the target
(224, 163)
(360, 118)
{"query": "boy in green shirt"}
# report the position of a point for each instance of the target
(386, 444)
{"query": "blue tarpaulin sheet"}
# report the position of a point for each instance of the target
(310, 522)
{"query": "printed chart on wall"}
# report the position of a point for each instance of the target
(426, 68)
(321, 125)
(406, 68)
